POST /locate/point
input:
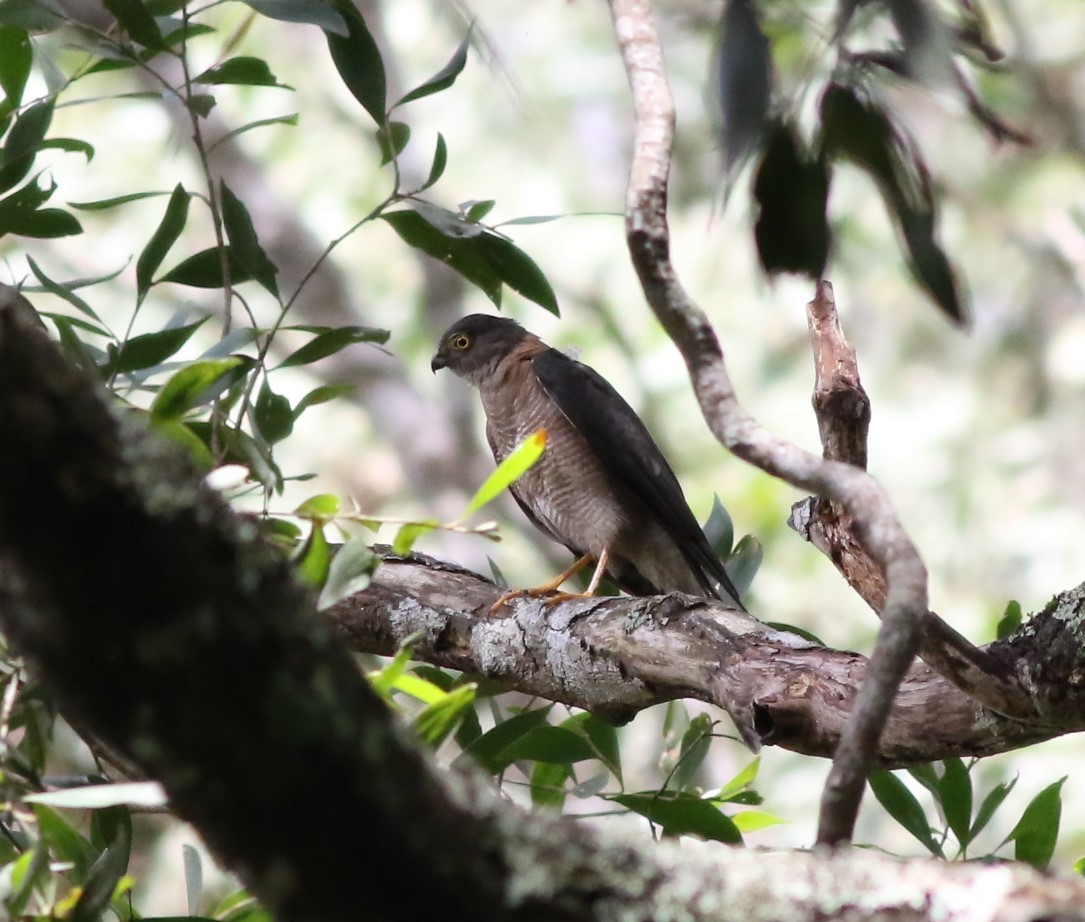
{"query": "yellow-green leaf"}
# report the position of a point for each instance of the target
(509, 471)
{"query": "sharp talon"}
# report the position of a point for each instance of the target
(507, 597)
(558, 597)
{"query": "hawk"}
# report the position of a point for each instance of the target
(602, 486)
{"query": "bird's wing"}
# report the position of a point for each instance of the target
(629, 455)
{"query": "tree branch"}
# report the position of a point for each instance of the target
(880, 530)
(616, 656)
(182, 639)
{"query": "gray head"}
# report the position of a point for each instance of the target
(472, 347)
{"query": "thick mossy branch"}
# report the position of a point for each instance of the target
(168, 628)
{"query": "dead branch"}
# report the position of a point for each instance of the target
(843, 414)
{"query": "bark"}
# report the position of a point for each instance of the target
(616, 656)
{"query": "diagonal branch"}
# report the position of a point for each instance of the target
(880, 530)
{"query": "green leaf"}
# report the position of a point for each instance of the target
(47, 224)
(792, 192)
(322, 507)
(517, 270)
(692, 752)
(152, 349)
(64, 291)
(28, 132)
(314, 557)
(272, 415)
(29, 871)
(69, 145)
(182, 435)
(743, 70)
(84, 355)
(547, 744)
(358, 60)
(856, 127)
(195, 385)
(331, 341)
(21, 214)
(323, 394)
(77, 322)
(204, 270)
(243, 70)
(392, 137)
(1010, 620)
(311, 12)
(798, 631)
(548, 784)
(475, 210)
(719, 529)
(1036, 832)
(244, 243)
(989, 807)
(603, 738)
(487, 749)
(383, 680)
(351, 570)
(138, 22)
(291, 119)
(522, 458)
(901, 804)
(440, 161)
(105, 203)
(744, 562)
(459, 253)
(65, 844)
(755, 820)
(101, 881)
(32, 15)
(439, 719)
(409, 533)
(682, 814)
(955, 796)
(444, 78)
(165, 235)
(16, 60)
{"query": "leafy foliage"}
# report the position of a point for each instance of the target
(762, 117)
(67, 844)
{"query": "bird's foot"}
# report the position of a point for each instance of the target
(511, 594)
(538, 592)
(549, 595)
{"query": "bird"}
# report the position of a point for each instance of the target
(602, 486)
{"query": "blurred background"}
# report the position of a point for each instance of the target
(978, 435)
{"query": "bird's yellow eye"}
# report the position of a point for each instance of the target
(460, 341)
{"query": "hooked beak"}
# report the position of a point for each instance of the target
(440, 360)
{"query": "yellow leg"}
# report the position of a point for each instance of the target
(552, 586)
(593, 585)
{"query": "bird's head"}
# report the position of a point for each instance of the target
(472, 347)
